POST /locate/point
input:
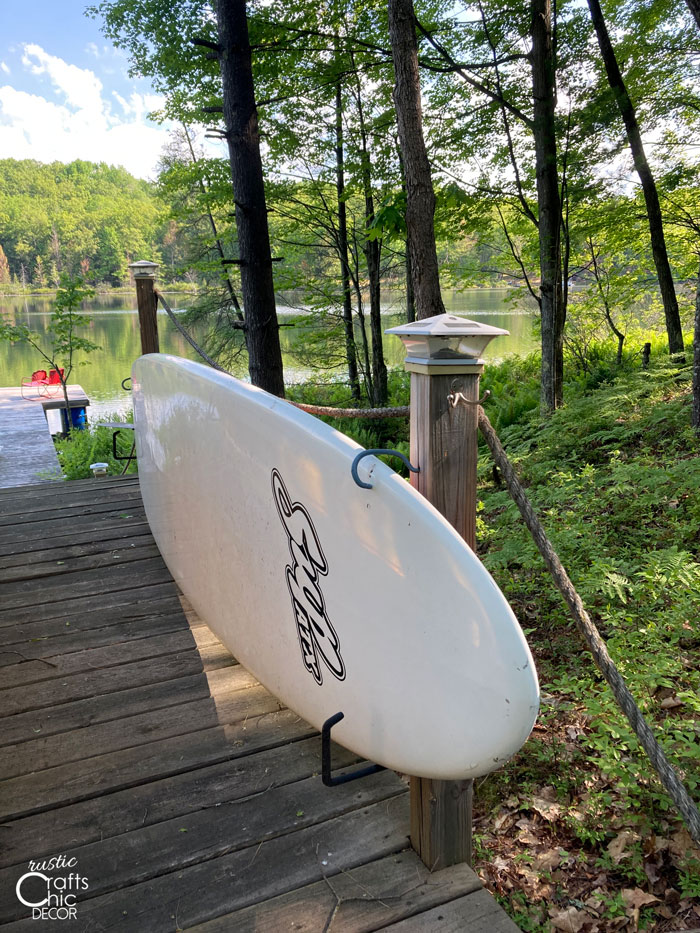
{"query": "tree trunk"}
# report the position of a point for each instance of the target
(651, 197)
(241, 119)
(350, 348)
(420, 197)
(365, 342)
(696, 360)
(410, 296)
(372, 251)
(64, 389)
(606, 304)
(548, 202)
(694, 7)
(379, 374)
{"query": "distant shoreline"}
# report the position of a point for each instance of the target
(100, 291)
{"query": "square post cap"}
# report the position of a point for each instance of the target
(144, 269)
(446, 337)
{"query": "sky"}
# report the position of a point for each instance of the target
(65, 92)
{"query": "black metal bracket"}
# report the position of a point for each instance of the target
(375, 452)
(115, 453)
(326, 768)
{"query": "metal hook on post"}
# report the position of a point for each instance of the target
(455, 397)
(376, 452)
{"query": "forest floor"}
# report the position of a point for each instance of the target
(577, 833)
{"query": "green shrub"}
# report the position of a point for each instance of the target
(94, 445)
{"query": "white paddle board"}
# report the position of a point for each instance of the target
(337, 598)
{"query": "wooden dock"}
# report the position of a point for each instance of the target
(181, 791)
(27, 453)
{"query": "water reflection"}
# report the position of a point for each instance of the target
(115, 328)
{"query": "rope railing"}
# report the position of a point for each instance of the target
(325, 411)
(588, 630)
(330, 412)
(192, 342)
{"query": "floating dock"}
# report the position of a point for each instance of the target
(184, 795)
(27, 453)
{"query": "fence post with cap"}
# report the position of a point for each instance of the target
(443, 356)
(144, 273)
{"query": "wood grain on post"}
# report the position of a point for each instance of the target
(444, 442)
(147, 303)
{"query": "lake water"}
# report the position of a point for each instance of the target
(115, 328)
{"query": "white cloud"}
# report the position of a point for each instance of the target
(79, 123)
(80, 86)
(5, 67)
(91, 49)
(124, 104)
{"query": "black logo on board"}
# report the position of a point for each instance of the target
(317, 637)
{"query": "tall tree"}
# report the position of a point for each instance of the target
(372, 251)
(694, 7)
(504, 100)
(548, 202)
(342, 244)
(243, 139)
(646, 178)
(420, 196)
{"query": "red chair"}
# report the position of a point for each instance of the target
(46, 385)
(55, 376)
(37, 380)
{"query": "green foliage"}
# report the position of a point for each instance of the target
(79, 218)
(63, 338)
(690, 878)
(615, 477)
(94, 445)
(369, 432)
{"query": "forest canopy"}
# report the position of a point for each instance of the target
(81, 219)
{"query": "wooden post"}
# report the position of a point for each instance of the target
(444, 445)
(147, 303)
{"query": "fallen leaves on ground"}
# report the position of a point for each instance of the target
(534, 859)
(618, 848)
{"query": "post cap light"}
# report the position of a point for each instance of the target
(446, 339)
(144, 269)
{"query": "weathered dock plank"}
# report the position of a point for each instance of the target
(68, 717)
(357, 901)
(161, 800)
(103, 774)
(140, 649)
(27, 453)
(478, 913)
(135, 743)
(44, 640)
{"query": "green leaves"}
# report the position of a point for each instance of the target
(79, 218)
(616, 478)
(63, 339)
